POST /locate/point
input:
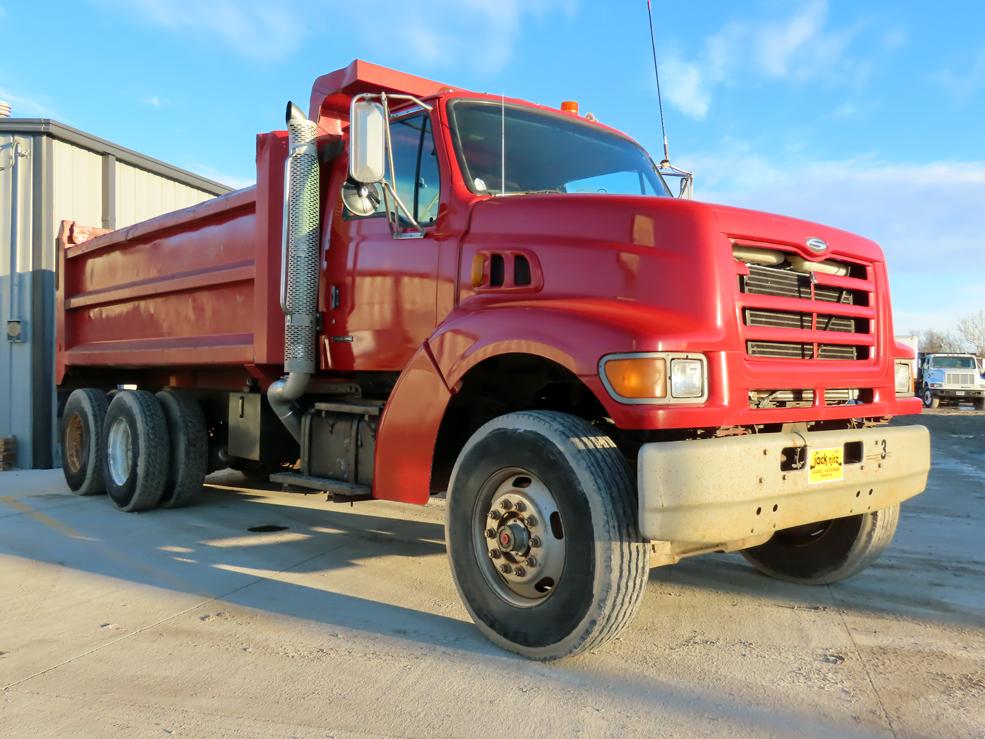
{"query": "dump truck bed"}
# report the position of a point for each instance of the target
(198, 287)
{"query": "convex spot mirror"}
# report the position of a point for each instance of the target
(367, 142)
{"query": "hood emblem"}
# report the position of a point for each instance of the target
(817, 245)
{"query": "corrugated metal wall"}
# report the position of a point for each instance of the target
(65, 174)
(76, 185)
(141, 195)
(16, 266)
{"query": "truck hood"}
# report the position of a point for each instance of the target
(667, 262)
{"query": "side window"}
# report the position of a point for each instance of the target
(416, 165)
(428, 183)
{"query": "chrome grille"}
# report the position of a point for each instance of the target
(784, 319)
(804, 398)
(779, 302)
(785, 283)
(960, 378)
(804, 350)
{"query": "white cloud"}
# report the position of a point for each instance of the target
(685, 87)
(963, 85)
(925, 217)
(23, 106)
(479, 33)
(153, 101)
(253, 28)
(799, 48)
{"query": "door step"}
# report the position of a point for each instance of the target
(340, 490)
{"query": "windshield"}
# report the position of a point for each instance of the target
(546, 152)
(953, 362)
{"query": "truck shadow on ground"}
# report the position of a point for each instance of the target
(207, 552)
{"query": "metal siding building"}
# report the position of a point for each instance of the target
(50, 172)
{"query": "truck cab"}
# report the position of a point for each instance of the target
(432, 291)
(951, 379)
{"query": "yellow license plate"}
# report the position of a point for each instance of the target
(826, 465)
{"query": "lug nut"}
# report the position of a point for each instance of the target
(505, 569)
(534, 541)
(494, 515)
(495, 554)
(531, 561)
(521, 506)
(519, 572)
(531, 521)
(506, 505)
(490, 533)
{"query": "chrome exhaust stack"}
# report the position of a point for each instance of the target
(301, 235)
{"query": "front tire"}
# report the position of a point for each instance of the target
(929, 401)
(542, 535)
(82, 441)
(136, 451)
(827, 551)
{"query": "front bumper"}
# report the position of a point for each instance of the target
(719, 490)
(941, 392)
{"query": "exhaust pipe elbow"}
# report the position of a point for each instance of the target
(283, 395)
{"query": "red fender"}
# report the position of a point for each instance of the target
(409, 427)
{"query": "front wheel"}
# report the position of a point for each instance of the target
(929, 401)
(542, 535)
(827, 551)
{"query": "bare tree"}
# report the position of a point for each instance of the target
(935, 342)
(972, 330)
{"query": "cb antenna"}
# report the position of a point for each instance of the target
(656, 72)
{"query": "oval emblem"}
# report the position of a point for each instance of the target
(817, 245)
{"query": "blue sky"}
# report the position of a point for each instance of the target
(867, 116)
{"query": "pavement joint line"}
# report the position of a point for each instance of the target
(135, 632)
(861, 659)
(73, 501)
(23, 508)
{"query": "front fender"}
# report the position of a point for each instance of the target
(574, 338)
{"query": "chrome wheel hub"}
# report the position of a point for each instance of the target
(119, 451)
(522, 538)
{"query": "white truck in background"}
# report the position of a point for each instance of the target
(951, 378)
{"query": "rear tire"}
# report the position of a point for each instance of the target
(82, 441)
(136, 451)
(189, 438)
(827, 551)
(980, 404)
(550, 498)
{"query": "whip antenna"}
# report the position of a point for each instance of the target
(656, 72)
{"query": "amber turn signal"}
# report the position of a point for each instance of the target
(637, 377)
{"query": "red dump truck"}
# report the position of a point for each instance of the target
(431, 289)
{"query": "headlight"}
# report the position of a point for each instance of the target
(687, 378)
(904, 378)
(655, 377)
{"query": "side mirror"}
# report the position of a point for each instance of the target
(367, 142)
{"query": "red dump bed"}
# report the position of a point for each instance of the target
(196, 287)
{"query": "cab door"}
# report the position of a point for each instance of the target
(381, 290)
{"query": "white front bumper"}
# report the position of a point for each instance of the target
(718, 490)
